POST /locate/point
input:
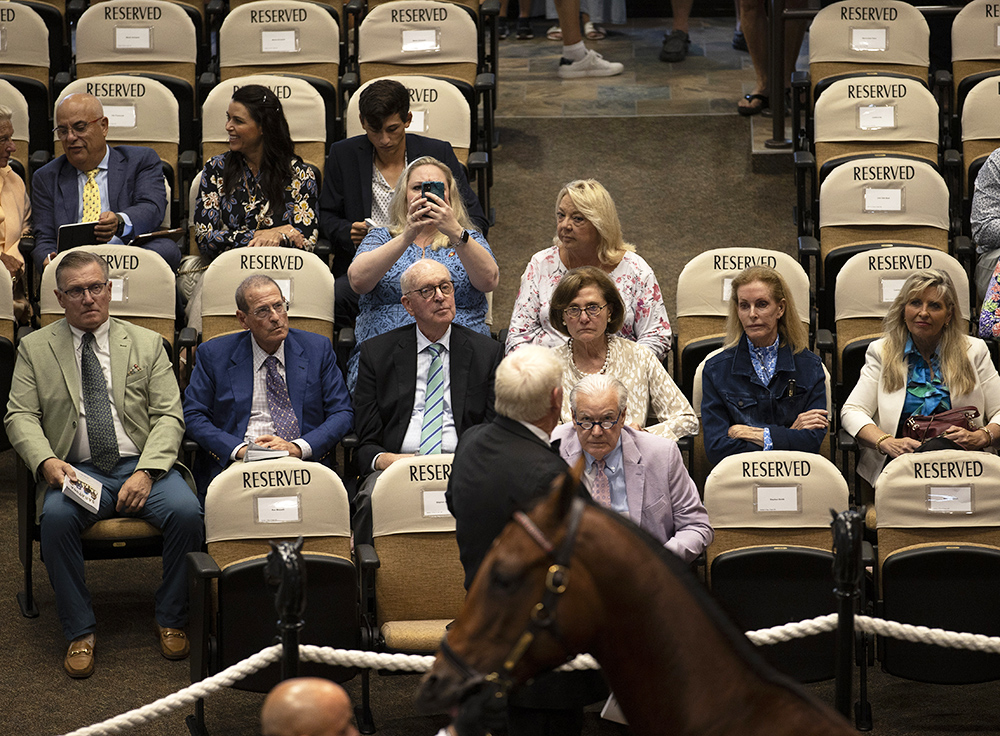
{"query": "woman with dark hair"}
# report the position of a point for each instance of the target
(259, 192)
(587, 308)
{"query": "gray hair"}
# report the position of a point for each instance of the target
(598, 384)
(257, 281)
(79, 258)
(410, 274)
(524, 382)
(5, 114)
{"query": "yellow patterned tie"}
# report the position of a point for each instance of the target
(91, 198)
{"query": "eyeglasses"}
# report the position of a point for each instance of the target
(279, 308)
(592, 310)
(589, 424)
(428, 292)
(77, 292)
(79, 127)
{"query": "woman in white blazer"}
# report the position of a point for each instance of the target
(924, 364)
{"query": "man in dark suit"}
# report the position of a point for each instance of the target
(397, 379)
(499, 468)
(121, 189)
(361, 174)
(231, 397)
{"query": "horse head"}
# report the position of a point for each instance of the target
(525, 612)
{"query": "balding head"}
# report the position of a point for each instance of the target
(307, 706)
(435, 312)
(82, 130)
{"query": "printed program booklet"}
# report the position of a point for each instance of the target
(85, 490)
(257, 452)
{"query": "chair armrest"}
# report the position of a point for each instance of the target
(800, 79)
(846, 441)
(366, 557)
(803, 160)
(867, 553)
(808, 247)
(350, 441)
(478, 160)
(349, 83)
(490, 7)
(485, 82)
(202, 569)
(686, 446)
(824, 342)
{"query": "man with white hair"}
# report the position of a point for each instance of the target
(635, 473)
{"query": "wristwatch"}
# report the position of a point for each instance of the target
(462, 240)
(121, 225)
(154, 475)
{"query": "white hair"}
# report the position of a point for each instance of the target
(598, 384)
(525, 380)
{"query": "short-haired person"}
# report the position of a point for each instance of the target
(924, 364)
(362, 173)
(635, 473)
(307, 706)
(766, 390)
(589, 233)
(98, 395)
(275, 386)
(120, 188)
(15, 213)
(421, 227)
(587, 308)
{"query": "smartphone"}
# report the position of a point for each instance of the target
(434, 187)
(370, 223)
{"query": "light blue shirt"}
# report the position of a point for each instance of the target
(102, 186)
(614, 468)
(765, 363)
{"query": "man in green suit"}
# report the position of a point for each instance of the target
(98, 395)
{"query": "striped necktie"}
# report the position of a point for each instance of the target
(286, 425)
(91, 198)
(104, 453)
(430, 429)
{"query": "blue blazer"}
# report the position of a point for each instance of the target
(135, 188)
(217, 400)
(347, 193)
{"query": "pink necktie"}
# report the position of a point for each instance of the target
(602, 489)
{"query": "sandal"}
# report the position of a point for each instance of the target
(592, 32)
(554, 33)
(752, 109)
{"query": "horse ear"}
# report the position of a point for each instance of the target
(274, 545)
(297, 545)
(570, 487)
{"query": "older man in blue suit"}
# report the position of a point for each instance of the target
(278, 387)
(121, 189)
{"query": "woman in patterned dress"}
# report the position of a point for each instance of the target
(587, 308)
(588, 233)
(423, 226)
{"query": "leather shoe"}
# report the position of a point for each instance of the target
(173, 642)
(79, 661)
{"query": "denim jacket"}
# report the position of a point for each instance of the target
(732, 393)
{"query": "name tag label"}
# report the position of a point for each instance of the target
(120, 116)
(727, 288)
(890, 289)
(421, 40)
(419, 122)
(119, 290)
(876, 117)
(279, 42)
(777, 499)
(998, 35)
(134, 39)
(434, 504)
(3, 39)
(949, 499)
(286, 288)
(277, 509)
(883, 200)
(869, 39)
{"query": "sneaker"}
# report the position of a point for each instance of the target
(524, 32)
(502, 30)
(675, 46)
(591, 65)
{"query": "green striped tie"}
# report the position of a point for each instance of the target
(430, 429)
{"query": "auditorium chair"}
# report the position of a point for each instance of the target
(20, 119)
(975, 54)
(199, 11)
(8, 330)
(232, 610)
(25, 65)
(937, 516)
(980, 137)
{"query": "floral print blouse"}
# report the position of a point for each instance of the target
(222, 223)
(989, 316)
(645, 316)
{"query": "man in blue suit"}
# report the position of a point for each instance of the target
(278, 387)
(121, 189)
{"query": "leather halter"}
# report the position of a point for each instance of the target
(542, 615)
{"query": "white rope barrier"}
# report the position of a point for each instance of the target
(417, 663)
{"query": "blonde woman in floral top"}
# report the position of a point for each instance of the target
(588, 233)
(259, 192)
(587, 308)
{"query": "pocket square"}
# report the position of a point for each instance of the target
(136, 368)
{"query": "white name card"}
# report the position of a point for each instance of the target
(3, 40)
(120, 116)
(434, 504)
(279, 42)
(727, 289)
(876, 117)
(776, 499)
(286, 288)
(998, 35)
(949, 499)
(422, 40)
(118, 290)
(419, 122)
(869, 39)
(133, 38)
(278, 509)
(883, 200)
(891, 289)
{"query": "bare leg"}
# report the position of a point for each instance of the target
(569, 20)
(677, 42)
(682, 12)
(754, 22)
(577, 61)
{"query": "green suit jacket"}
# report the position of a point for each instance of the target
(44, 407)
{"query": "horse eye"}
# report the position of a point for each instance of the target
(503, 582)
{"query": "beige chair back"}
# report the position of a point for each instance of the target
(975, 47)
(13, 99)
(25, 48)
(6, 310)
(980, 125)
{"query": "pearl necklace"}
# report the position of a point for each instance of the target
(607, 357)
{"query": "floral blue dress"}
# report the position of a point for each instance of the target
(381, 309)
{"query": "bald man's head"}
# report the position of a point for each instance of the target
(307, 706)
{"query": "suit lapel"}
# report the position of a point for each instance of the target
(365, 154)
(405, 362)
(115, 178)
(460, 359)
(635, 477)
(120, 347)
(241, 381)
(61, 344)
(69, 194)
(296, 372)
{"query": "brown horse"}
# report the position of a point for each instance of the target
(570, 577)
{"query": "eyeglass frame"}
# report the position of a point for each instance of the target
(434, 290)
(264, 311)
(67, 128)
(593, 424)
(581, 310)
(77, 292)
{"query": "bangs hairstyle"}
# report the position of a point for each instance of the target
(592, 200)
(957, 370)
(524, 383)
(398, 204)
(791, 331)
(570, 285)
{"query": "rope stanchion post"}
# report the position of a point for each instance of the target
(847, 580)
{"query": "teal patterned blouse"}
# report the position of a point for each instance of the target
(924, 394)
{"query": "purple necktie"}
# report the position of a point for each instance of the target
(283, 418)
(602, 488)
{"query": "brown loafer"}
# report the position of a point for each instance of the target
(79, 661)
(173, 643)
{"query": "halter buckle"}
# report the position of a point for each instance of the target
(555, 581)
